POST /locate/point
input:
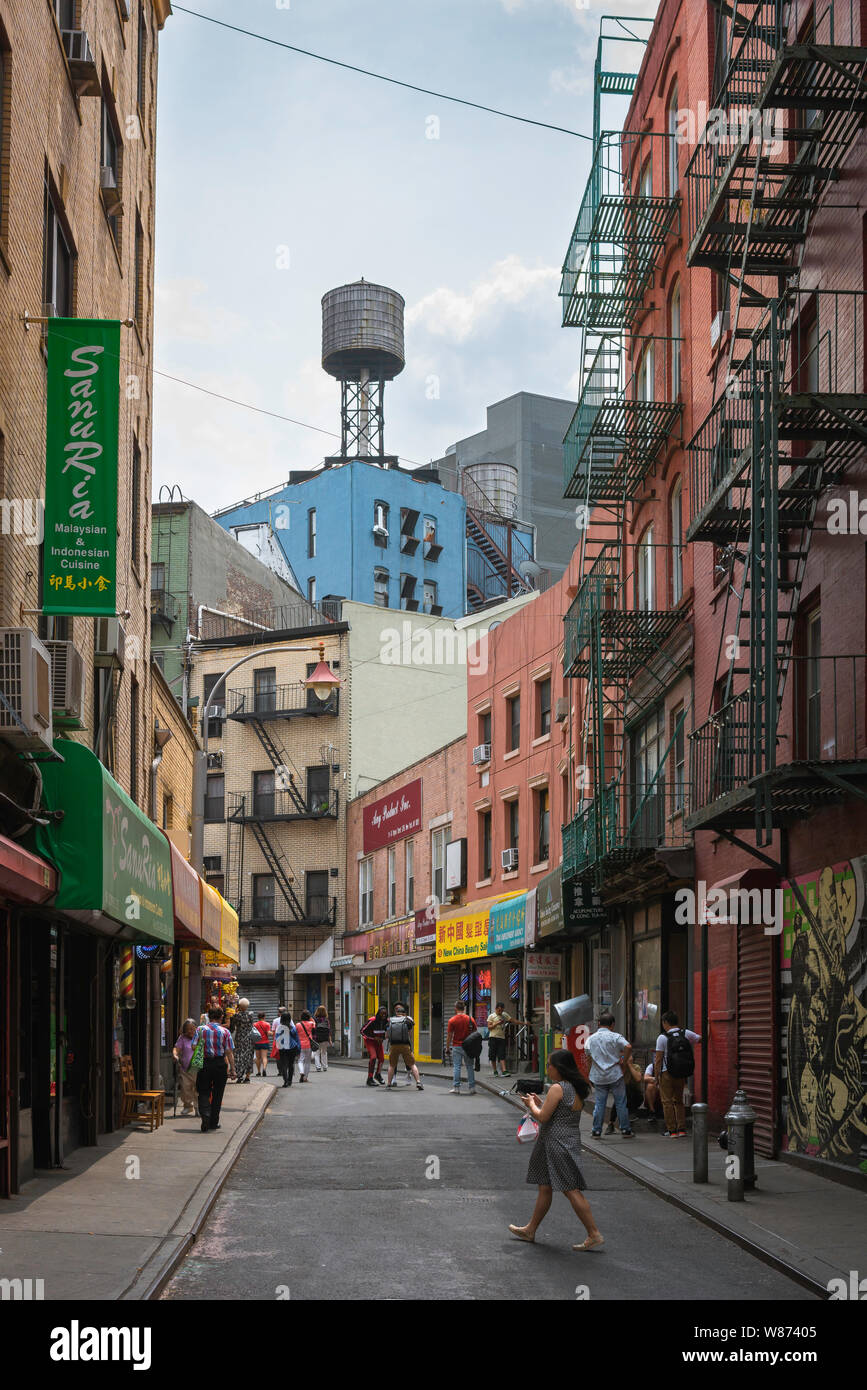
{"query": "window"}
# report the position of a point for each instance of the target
(141, 67)
(135, 509)
(438, 841)
(513, 722)
(565, 810)
(485, 727)
(57, 261)
(365, 892)
(216, 797)
(813, 691)
(380, 523)
(677, 542)
(65, 13)
(644, 595)
(543, 707)
(678, 757)
(647, 808)
(432, 550)
(430, 596)
(512, 824)
(408, 599)
(313, 702)
(251, 952)
(138, 290)
(409, 873)
(158, 578)
(133, 740)
(485, 844)
(675, 342)
(109, 158)
(543, 822)
(646, 185)
(213, 863)
(168, 812)
(316, 905)
(265, 690)
(380, 588)
(311, 534)
(215, 721)
(263, 794)
(311, 589)
(264, 897)
(672, 143)
(644, 384)
(319, 789)
(392, 883)
(160, 658)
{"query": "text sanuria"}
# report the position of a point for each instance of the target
(82, 450)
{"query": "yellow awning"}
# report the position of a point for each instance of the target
(462, 932)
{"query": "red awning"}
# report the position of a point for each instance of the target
(24, 877)
(186, 902)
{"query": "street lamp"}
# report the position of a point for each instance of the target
(322, 682)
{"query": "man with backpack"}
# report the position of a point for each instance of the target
(673, 1062)
(399, 1035)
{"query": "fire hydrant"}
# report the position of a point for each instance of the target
(741, 1162)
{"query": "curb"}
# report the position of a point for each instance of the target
(676, 1199)
(154, 1274)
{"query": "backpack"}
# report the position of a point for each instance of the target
(679, 1059)
(398, 1030)
(323, 1030)
(472, 1044)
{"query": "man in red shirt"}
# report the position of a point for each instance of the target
(460, 1026)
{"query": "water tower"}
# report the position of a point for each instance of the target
(362, 346)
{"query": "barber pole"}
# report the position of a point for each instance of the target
(127, 977)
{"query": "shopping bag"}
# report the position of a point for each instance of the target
(198, 1058)
(527, 1130)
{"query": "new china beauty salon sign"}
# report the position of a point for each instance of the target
(80, 554)
(392, 817)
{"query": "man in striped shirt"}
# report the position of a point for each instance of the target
(218, 1065)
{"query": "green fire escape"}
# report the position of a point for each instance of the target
(790, 416)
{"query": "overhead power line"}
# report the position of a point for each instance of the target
(379, 76)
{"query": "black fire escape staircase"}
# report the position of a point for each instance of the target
(512, 580)
(283, 767)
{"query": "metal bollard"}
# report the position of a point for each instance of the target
(740, 1120)
(699, 1114)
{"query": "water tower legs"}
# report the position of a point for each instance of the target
(361, 416)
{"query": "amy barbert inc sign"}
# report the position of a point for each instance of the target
(80, 555)
(392, 817)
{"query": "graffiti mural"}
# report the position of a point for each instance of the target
(824, 1003)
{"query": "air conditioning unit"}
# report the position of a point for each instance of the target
(110, 194)
(215, 761)
(217, 712)
(509, 859)
(719, 326)
(561, 709)
(109, 643)
(67, 684)
(381, 531)
(25, 684)
(481, 753)
(82, 64)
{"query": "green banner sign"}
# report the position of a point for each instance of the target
(80, 555)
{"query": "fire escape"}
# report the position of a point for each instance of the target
(284, 801)
(789, 421)
(499, 564)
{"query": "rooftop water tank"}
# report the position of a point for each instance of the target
(362, 332)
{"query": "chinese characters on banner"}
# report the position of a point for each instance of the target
(543, 965)
(81, 461)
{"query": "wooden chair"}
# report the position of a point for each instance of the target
(153, 1101)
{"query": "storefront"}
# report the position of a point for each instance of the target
(463, 958)
(571, 921)
(194, 934)
(114, 885)
(397, 970)
(659, 973)
(317, 980)
(220, 967)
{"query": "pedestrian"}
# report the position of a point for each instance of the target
(182, 1053)
(323, 1037)
(217, 1067)
(399, 1033)
(288, 1046)
(460, 1025)
(609, 1052)
(306, 1030)
(497, 1039)
(243, 1036)
(673, 1062)
(555, 1163)
(261, 1043)
(373, 1033)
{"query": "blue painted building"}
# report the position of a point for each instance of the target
(385, 535)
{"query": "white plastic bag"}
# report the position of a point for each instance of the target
(528, 1130)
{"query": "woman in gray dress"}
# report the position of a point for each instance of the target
(555, 1164)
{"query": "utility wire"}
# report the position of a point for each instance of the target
(380, 77)
(245, 405)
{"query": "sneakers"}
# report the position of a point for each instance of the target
(371, 1082)
(455, 1091)
(681, 1134)
(419, 1086)
(667, 1134)
(627, 1133)
(596, 1134)
(379, 1079)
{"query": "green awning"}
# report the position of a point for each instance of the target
(114, 864)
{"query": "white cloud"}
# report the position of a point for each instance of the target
(459, 315)
(187, 311)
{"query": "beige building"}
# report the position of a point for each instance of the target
(275, 808)
(78, 89)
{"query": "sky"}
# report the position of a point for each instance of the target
(279, 177)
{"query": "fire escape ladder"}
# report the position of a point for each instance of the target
(234, 861)
(280, 868)
(282, 765)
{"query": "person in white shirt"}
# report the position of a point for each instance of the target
(608, 1052)
(671, 1083)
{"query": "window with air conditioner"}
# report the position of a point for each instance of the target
(512, 823)
(215, 720)
(110, 167)
(380, 523)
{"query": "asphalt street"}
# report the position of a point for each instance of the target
(348, 1193)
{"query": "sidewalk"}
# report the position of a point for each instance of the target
(95, 1230)
(807, 1227)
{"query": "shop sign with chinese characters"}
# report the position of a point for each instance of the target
(543, 965)
(81, 462)
(398, 939)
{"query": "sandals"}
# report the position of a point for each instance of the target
(521, 1235)
(590, 1243)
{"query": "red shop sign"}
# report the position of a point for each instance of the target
(392, 817)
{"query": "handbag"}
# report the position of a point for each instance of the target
(197, 1060)
(528, 1130)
